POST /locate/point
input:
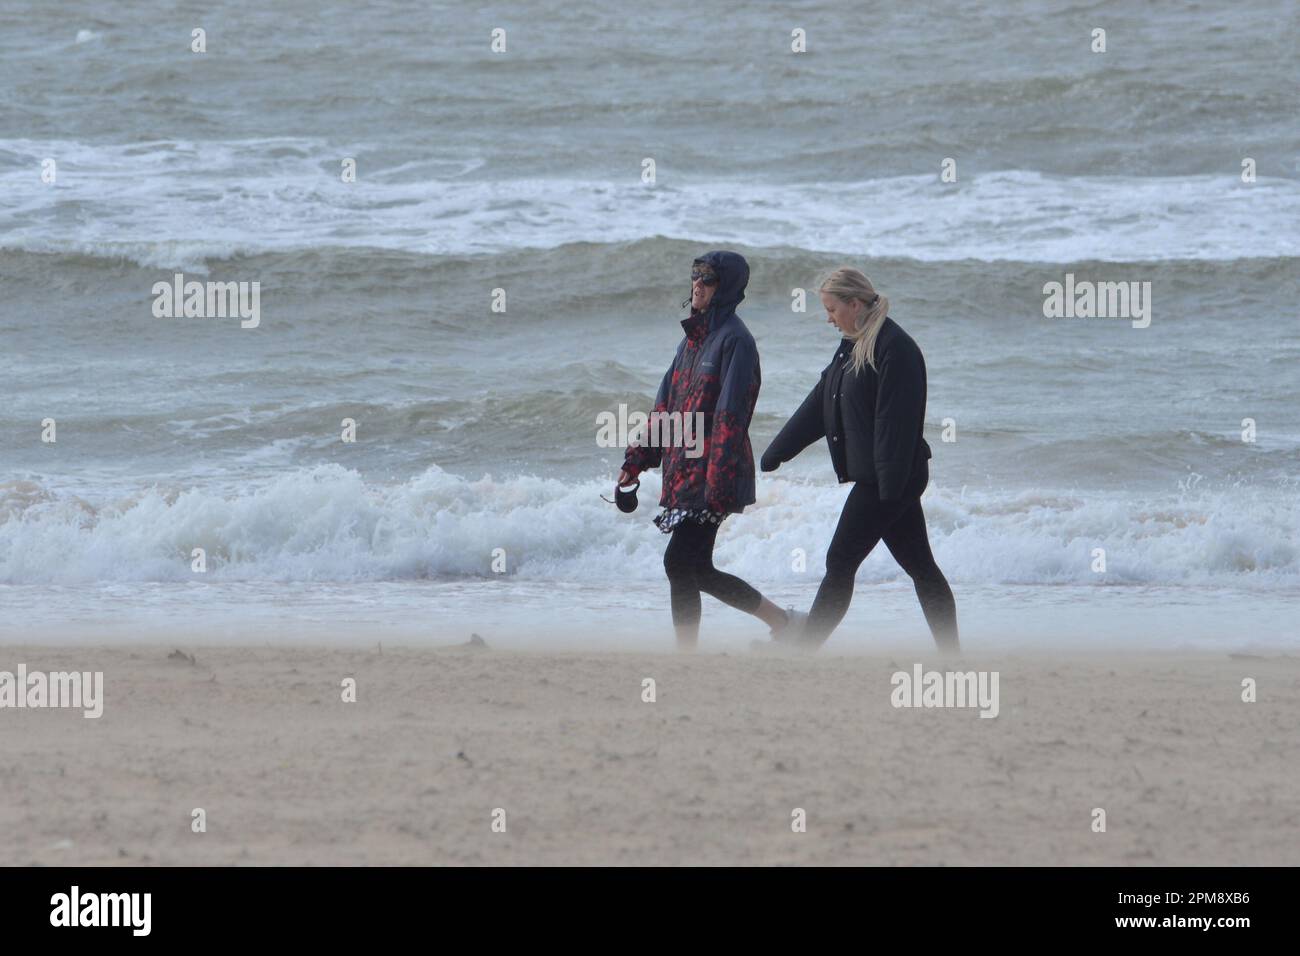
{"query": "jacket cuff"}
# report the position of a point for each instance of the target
(889, 483)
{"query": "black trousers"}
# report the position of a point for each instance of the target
(688, 561)
(865, 521)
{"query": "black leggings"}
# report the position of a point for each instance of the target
(901, 525)
(689, 563)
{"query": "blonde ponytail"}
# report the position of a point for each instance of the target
(847, 283)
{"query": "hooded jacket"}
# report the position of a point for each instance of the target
(872, 420)
(715, 372)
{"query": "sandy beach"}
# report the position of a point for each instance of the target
(587, 772)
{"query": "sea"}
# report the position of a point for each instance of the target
(470, 228)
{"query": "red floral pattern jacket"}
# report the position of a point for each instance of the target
(715, 373)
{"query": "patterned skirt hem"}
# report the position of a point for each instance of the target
(670, 518)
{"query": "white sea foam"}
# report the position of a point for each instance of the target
(327, 524)
(271, 195)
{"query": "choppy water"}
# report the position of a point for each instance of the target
(523, 172)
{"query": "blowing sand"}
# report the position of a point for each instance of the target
(588, 773)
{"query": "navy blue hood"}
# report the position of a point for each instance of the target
(733, 276)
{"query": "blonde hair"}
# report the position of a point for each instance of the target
(847, 283)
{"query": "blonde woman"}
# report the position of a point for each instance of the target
(869, 405)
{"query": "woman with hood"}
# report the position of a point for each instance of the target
(715, 374)
(869, 405)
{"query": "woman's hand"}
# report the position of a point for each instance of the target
(769, 461)
(624, 479)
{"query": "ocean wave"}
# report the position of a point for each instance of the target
(327, 523)
(179, 204)
(579, 281)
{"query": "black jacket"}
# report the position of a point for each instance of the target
(871, 420)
